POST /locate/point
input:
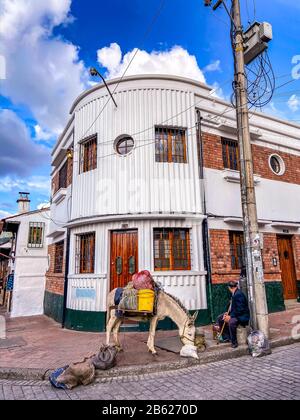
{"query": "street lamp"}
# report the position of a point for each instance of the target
(94, 72)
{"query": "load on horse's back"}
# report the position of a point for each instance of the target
(166, 305)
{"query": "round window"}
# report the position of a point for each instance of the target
(277, 164)
(124, 145)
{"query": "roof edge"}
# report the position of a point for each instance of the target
(139, 77)
(25, 214)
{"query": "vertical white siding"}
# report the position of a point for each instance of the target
(136, 183)
(189, 286)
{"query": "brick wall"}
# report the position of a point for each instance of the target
(261, 165)
(222, 271)
(270, 251)
(54, 281)
(212, 152)
(212, 155)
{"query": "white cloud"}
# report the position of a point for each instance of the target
(41, 134)
(44, 72)
(176, 61)
(4, 214)
(110, 57)
(214, 66)
(18, 154)
(218, 91)
(273, 110)
(294, 103)
(42, 206)
(39, 184)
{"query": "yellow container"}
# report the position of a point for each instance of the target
(146, 300)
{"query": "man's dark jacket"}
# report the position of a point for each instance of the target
(240, 308)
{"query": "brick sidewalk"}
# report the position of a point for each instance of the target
(40, 343)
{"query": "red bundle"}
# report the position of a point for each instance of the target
(143, 280)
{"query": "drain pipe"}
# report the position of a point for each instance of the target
(66, 282)
(205, 230)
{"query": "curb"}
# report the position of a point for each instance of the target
(205, 358)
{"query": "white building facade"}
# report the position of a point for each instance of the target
(128, 195)
(28, 261)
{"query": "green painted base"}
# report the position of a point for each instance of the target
(298, 285)
(53, 306)
(96, 321)
(85, 321)
(220, 301)
(221, 298)
(275, 299)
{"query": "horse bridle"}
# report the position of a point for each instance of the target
(185, 337)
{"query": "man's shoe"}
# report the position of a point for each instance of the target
(234, 345)
(223, 340)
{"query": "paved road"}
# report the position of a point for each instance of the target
(273, 377)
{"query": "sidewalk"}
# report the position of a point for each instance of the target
(36, 345)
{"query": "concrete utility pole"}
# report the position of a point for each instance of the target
(255, 273)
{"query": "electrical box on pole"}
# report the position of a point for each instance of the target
(256, 40)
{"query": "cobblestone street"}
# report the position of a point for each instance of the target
(273, 377)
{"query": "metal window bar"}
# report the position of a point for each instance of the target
(230, 151)
(88, 155)
(70, 171)
(59, 257)
(63, 176)
(172, 249)
(85, 253)
(36, 235)
(237, 250)
(170, 145)
(125, 146)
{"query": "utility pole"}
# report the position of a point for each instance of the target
(255, 273)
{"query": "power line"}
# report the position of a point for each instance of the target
(173, 116)
(228, 109)
(152, 141)
(254, 10)
(147, 33)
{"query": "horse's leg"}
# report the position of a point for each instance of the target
(152, 330)
(110, 325)
(116, 329)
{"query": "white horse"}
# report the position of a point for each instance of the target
(167, 306)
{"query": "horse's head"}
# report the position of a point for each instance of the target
(189, 330)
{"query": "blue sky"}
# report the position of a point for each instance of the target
(48, 45)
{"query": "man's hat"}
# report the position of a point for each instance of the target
(232, 284)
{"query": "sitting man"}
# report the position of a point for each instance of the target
(238, 314)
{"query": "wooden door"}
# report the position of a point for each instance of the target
(287, 265)
(124, 257)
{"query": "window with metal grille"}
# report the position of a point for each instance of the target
(85, 253)
(59, 257)
(36, 235)
(88, 154)
(63, 176)
(170, 145)
(172, 249)
(237, 250)
(231, 159)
